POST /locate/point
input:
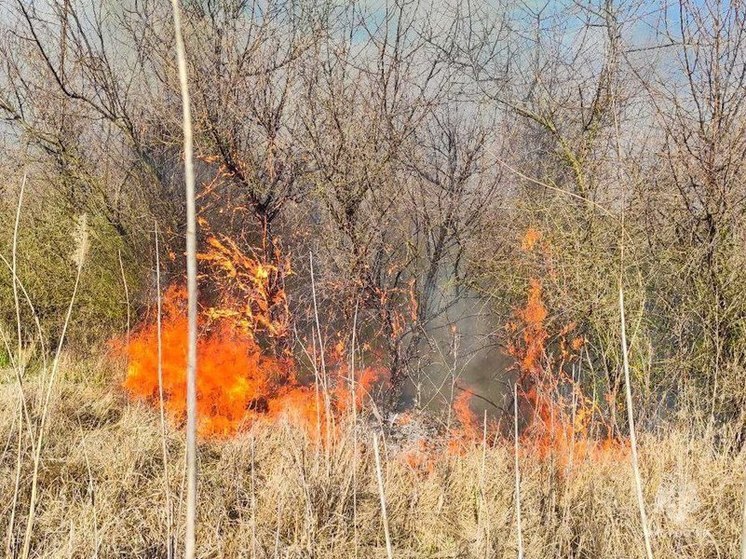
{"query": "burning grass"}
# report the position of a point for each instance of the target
(238, 383)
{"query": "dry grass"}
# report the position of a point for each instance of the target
(101, 484)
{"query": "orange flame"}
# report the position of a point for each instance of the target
(468, 430)
(530, 239)
(560, 415)
(238, 381)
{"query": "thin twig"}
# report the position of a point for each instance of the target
(18, 361)
(277, 529)
(15, 273)
(324, 379)
(126, 293)
(80, 253)
(253, 498)
(317, 391)
(37, 322)
(354, 430)
(16, 486)
(482, 487)
(164, 448)
(743, 522)
(91, 489)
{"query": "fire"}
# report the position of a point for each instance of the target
(560, 416)
(250, 291)
(245, 371)
(236, 382)
(530, 239)
(534, 335)
(467, 431)
(557, 416)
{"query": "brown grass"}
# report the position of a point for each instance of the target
(101, 483)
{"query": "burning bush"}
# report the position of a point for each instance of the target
(241, 378)
(558, 414)
(247, 372)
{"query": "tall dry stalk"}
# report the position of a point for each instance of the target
(317, 389)
(16, 299)
(518, 527)
(18, 361)
(354, 431)
(92, 492)
(161, 404)
(382, 495)
(278, 525)
(39, 332)
(324, 379)
(81, 249)
(23, 406)
(191, 255)
(483, 524)
(253, 498)
(632, 433)
(16, 487)
(18, 366)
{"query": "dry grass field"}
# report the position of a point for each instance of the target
(271, 492)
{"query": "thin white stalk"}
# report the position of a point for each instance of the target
(324, 380)
(484, 452)
(16, 487)
(743, 522)
(181, 504)
(253, 499)
(126, 293)
(317, 392)
(632, 433)
(277, 530)
(164, 448)
(743, 508)
(382, 494)
(191, 255)
(518, 528)
(91, 489)
(354, 431)
(27, 297)
(15, 275)
(574, 401)
(482, 489)
(18, 361)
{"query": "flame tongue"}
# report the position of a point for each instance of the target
(557, 415)
(561, 415)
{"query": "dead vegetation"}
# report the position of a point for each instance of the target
(271, 492)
